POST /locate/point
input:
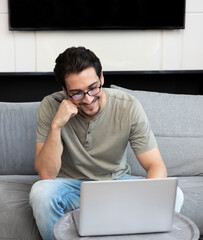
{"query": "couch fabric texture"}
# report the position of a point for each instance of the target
(176, 120)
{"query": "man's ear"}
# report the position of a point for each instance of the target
(102, 79)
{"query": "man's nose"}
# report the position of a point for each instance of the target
(88, 99)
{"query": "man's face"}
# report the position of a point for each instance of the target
(90, 106)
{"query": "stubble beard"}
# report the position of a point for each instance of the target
(91, 114)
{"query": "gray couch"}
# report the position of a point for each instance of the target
(176, 120)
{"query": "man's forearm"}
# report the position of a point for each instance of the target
(48, 155)
(157, 172)
(153, 163)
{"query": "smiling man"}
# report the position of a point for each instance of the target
(84, 137)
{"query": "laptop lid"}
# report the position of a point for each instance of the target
(126, 206)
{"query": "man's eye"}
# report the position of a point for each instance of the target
(93, 89)
(77, 95)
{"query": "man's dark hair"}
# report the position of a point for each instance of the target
(75, 60)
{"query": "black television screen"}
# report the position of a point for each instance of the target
(96, 15)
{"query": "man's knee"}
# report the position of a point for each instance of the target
(52, 194)
(40, 192)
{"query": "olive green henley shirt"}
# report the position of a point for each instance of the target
(96, 150)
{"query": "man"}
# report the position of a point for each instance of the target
(85, 137)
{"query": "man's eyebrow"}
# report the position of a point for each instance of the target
(80, 90)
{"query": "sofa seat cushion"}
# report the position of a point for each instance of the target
(16, 218)
(192, 188)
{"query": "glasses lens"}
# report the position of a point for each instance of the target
(94, 91)
(78, 96)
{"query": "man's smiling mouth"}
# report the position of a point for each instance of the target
(89, 106)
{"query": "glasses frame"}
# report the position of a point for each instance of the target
(84, 93)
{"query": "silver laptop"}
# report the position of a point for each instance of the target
(126, 206)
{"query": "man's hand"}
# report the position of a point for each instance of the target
(67, 109)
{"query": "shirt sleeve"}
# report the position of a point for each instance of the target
(141, 138)
(45, 116)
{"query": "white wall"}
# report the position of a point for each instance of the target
(118, 50)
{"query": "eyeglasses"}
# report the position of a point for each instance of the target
(91, 92)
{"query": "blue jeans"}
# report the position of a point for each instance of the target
(50, 199)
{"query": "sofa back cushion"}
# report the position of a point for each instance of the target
(17, 137)
(177, 123)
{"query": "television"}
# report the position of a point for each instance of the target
(34, 15)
